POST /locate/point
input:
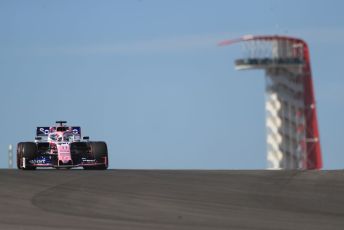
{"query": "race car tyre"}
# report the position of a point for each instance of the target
(78, 150)
(43, 147)
(29, 151)
(98, 151)
(19, 156)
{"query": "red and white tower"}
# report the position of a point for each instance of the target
(291, 119)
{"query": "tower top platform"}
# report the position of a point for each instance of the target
(262, 52)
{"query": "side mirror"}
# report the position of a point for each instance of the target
(86, 138)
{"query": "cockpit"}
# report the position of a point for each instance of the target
(62, 129)
(68, 137)
(64, 137)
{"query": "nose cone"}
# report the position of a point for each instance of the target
(64, 153)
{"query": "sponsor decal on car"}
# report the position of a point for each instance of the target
(41, 160)
(42, 131)
(85, 160)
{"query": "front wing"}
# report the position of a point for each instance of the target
(52, 161)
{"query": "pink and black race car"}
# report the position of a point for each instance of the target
(61, 146)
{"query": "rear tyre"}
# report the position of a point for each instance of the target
(98, 151)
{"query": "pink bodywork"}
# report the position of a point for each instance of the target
(62, 146)
(63, 152)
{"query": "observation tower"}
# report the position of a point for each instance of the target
(291, 118)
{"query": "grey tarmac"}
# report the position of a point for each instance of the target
(172, 199)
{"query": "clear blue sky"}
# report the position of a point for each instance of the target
(147, 77)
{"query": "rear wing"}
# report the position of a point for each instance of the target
(76, 130)
(42, 131)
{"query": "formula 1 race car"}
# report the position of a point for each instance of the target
(61, 146)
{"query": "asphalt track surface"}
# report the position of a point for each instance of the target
(167, 199)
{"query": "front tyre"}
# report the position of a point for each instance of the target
(19, 155)
(99, 152)
(78, 150)
(26, 152)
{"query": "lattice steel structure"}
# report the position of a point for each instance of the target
(291, 118)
